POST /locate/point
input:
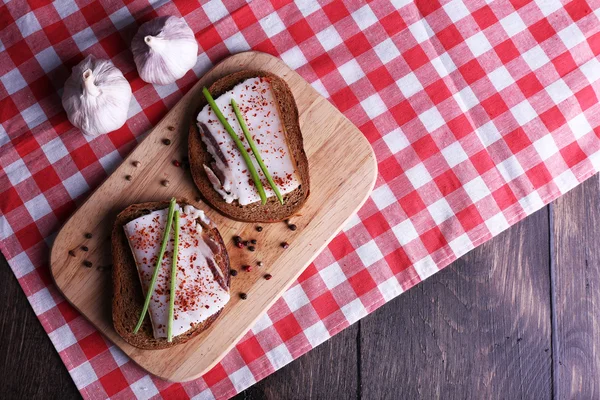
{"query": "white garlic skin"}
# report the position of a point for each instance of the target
(96, 97)
(164, 50)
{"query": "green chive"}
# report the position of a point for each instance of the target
(255, 150)
(173, 278)
(239, 144)
(161, 254)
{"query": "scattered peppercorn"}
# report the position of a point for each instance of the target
(171, 128)
(88, 235)
(176, 163)
(247, 268)
(285, 245)
(292, 227)
(71, 253)
(253, 241)
(243, 296)
(237, 239)
(233, 272)
(259, 228)
(268, 276)
(240, 245)
(87, 264)
(259, 263)
(84, 248)
(136, 164)
(246, 243)
(251, 248)
(165, 183)
(166, 142)
(128, 177)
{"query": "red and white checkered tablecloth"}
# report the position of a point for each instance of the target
(479, 113)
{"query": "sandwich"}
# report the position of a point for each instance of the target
(151, 310)
(246, 150)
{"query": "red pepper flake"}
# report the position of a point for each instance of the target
(176, 163)
(268, 276)
(285, 245)
(247, 268)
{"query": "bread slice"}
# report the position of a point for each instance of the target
(128, 298)
(256, 212)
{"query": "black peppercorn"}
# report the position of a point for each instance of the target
(84, 248)
(88, 235)
(166, 142)
(233, 272)
(259, 228)
(251, 248)
(268, 276)
(253, 241)
(87, 264)
(285, 245)
(71, 253)
(292, 227)
(243, 296)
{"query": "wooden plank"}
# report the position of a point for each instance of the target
(31, 367)
(479, 329)
(336, 193)
(576, 251)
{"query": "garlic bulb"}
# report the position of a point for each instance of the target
(164, 49)
(96, 97)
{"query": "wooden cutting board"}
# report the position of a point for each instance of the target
(342, 172)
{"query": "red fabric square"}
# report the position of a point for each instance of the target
(539, 175)
(113, 382)
(426, 7)
(208, 37)
(93, 345)
(542, 30)
(415, 57)
(506, 51)
(594, 43)
(300, 31)
(482, 161)
(469, 218)
(519, 3)
(83, 156)
(553, 118)
(29, 236)
(529, 85)
(433, 239)
(20, 52)
(155, 112)
(438, 91)
(447, 182)
(344, 99)
(46, 178)
(376, 224)
(93, 12)
(310, 271)
(287, 327)
(244, 17)
(35, 4)
(403, 112)
(577, 9)
(8, 109)
(412, 203)
(340, 246)
(380, 78)
(485, 17)
(358, 44)
(266, 46)
(174, 391)
(517, 140)
(564, 63)
(335, 11)
(5, 18)
(504, 197)
(460, 126)
(121, 136)
(392, 23)
(425, 147)
(185, 6)
(25, 144)
(68, 312)
(390, 168)
(472, 71)
(572, 154)
(250, 350)
(323, 64)
(41, 88)
(215, 375)
(113, 44)
(494, 106)
(325, 305)
(9, 200)
(362, 282)
(370, 131)
(586, 97)
(398, 260)
(57, 32)
(450, 37)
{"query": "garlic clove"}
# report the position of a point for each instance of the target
(164, 50)
(96, 97)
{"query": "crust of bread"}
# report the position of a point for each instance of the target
(128, 298)
(273, 211)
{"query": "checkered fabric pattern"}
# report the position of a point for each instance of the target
(479, 114)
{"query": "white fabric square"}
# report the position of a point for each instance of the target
(119, 356)
(134, 108)
(13, 81)
(319, 87)
(532, 202)
(17, 172)
(396, 140)
(215, 10)
(496, 224)
(121, 18)
(351, 222)
(165, 91)
(5, 229)
(83, 375)
(456, 10)
(41, 301)
(559, 91)
(440, 211)
(409, 85)
(425, 267)
(332, 275)
(454, 154)
(535, 57)
(263, 323)
(390, 288)
(76, 185)
(418, 175)
(48, 59)
(236, 43)
(369, 253)
(317, 334)
(421, 31)
(478, 44)
(328, 37)
(501, 78)
(205, 395)
(242, 378)
(523, 112)
(476, 189)
(373, 106)
(354, 311)
(203, 64)
(65, 7)
(28, 24)
(3, 136)
(513, 24)
(461, 245)
(351, 72)
(295, 297)
(566, 181)
(294, 58)
(405, 232)
(594, 159)
(510, 168)
(443, 65)
(62, 337)
(466, 99)
(488, 133)
(272, 24)
(546, 147)
(383, 196)
(548, 6)
(33, 115)
(401, 3)
(571, 36)
(364, 17)
(38, 207)
(432, 119)
(279, 356)
(144, 388)
(591, 70)
(387, 51)
(308, 7)
(579, 126)
(85, 39)
(21, 264)
(110, 161)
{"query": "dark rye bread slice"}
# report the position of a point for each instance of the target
(128, 298)
(273, 211)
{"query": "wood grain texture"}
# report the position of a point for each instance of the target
(479, 329)
(576, 222)
(336, 193)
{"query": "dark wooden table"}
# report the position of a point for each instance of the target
(515, 318)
